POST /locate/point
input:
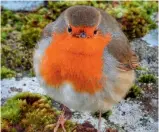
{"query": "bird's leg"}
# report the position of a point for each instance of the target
(99, 122)
(61, 121)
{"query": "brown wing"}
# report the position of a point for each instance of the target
(132, 64)
(127, 58)
(121, 50)
(119, 46)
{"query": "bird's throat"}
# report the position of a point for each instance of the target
(66, 61)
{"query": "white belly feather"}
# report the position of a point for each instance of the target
(117, 85)
(103, 100)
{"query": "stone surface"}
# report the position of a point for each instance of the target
(127, 116)
(154, 102)
(148, 55)
(152, 37)
(22, 5)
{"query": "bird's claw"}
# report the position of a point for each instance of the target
(61, 121)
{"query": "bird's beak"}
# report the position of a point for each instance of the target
(83, 35)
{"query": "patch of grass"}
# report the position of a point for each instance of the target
(135, 17)
(148, 78)
(3, 36)
(134, 92)
(141, 68)
(17, 49)
(15, 55)
(107, 114)
(7, 16)
(31, 112)
(7, 73)
(31, 36)
(11, 110)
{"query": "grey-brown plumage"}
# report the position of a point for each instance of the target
(82, 16)
(89, 16)
(119, 46)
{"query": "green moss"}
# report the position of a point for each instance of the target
(22, 30)
(141, 68)
(150, 7)
(107, 114)
(3, 36)
(15, 55)
(31, 73)
(31, 112)
(11, 18)
(5, 125)
(134, 92)
(148, 78)
(7, 73)
(134, 17)
(11, 110)
(7, 16)
(5, 32)
(31, 36)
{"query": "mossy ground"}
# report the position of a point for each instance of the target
(134, 17)
(7, 73)
(134, 92)
(147, 78)
(20, 33)
(31, 112)
(22, 30)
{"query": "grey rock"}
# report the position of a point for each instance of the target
(152, 37)
(18, 76)
(154, 103)
(148, 56)
(22, 5)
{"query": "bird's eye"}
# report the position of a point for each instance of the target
(95, 32)
(69, 29)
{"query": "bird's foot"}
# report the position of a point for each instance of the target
(99, 122)
(61, 121)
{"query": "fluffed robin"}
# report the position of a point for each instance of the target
(84, 61)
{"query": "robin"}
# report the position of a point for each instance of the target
(84, 61)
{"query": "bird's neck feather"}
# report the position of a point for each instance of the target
(83, 69)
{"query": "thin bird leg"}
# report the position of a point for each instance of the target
(61, 121)
(99, 122)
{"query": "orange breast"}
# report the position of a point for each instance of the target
(76, 61)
